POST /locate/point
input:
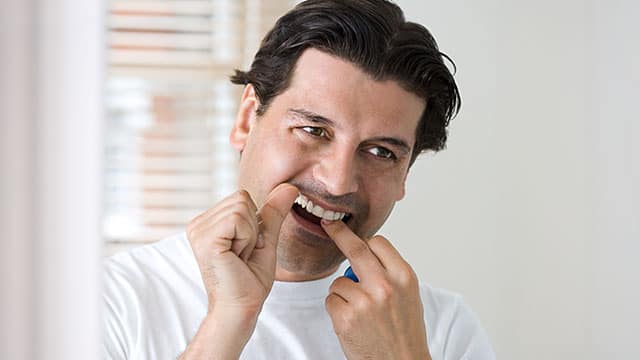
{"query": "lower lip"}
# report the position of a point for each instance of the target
(312, 227)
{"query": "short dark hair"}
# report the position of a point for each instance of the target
(372, 34)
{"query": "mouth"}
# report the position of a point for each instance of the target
(309, 214)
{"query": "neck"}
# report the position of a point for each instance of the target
(290, 276)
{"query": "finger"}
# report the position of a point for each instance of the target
(275, 209)
(363, 261)
(235, 225)
(241, 209)
(337, 308)
(346, 289)
(213, 215)
(245, 197)
(335, 305)
(229, 236)
(388, 255)
(241, 234)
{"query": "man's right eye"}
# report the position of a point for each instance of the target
(314, 131)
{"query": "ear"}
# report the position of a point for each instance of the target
(245, 119)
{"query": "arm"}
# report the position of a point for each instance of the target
(221, 336)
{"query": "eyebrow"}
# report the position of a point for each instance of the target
(317, 118)
(311, 116)
(404, 147)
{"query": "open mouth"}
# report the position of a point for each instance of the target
(312, 213)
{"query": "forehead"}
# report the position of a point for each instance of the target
(339, 90)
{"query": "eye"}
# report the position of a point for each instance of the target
(314, 131)
(382, 153)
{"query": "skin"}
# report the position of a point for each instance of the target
(340, 144)
(341, 169)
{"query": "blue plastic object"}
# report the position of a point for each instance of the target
(351, 275)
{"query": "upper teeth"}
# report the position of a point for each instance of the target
(317, 210)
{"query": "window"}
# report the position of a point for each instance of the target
(170, 106)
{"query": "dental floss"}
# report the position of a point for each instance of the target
(351, 275)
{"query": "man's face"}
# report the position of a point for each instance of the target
(343, 139)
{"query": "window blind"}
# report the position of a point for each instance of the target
(170, 107)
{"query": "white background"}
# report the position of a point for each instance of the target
(532, 212)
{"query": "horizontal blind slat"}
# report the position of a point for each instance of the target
(121, 39)
(183, 7)
(160, 23)
(186, 58)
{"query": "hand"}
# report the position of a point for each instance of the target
(236, 251)
(380, 317)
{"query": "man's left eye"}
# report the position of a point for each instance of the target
(314, 131)
(382, 153)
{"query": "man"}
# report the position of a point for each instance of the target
(340, 99)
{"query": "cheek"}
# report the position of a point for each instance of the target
(382, 197)
(269, 160)
(382, 192)
(285, 153)
(383, 186)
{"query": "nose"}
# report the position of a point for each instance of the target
(338, 172)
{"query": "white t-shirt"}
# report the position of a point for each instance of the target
(154, 302)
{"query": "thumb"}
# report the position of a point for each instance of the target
(275, 209)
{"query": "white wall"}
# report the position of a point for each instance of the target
(615, 315)
(530, 213)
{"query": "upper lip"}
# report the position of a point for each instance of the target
(326, 206)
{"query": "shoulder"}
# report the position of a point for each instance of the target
(143, 280)
(138, 274)
(453, 330)
(169, 257)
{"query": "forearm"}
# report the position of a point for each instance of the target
(221, 336)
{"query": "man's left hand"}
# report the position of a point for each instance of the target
(381, 316)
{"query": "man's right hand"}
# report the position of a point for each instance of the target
(234, 244)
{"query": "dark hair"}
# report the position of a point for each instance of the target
(373, 35)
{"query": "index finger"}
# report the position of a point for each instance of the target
(362, 259)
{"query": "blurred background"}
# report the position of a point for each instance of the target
(115, 119)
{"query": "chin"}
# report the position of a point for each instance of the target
(306, 253)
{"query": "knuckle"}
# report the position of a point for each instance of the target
(335, 287)
(406, 276)
(242, 207)
(243, 196)
(236, 217)
(344, 281)
(192, 232)
(380, 238)
(362, 304)
(383, 292)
